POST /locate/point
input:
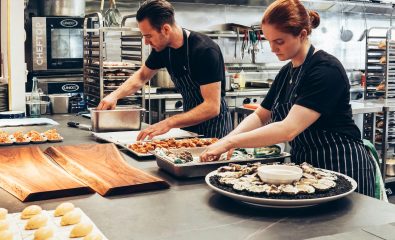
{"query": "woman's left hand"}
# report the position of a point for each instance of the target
(214, 151)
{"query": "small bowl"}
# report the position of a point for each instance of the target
(279, 174)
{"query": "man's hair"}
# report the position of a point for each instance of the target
(158, 13)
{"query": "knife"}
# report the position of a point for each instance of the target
(79, 125)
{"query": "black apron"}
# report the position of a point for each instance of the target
(326, 149)
(218, 126)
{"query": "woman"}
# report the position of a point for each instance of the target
(307, 105)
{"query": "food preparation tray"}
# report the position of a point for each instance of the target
(16, 226)
(200, 169)
(119, 119)
(125, 138)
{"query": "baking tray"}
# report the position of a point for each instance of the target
(16, 226)
(200, 169)
(125, 138)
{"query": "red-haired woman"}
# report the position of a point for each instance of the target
(307, 105)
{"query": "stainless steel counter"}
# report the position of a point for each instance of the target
(190, 210)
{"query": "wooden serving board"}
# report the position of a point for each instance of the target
(102, 167)
(29, 175)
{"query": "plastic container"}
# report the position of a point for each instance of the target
(35, 100)
(242, 79)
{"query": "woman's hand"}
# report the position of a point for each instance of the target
(214, 151)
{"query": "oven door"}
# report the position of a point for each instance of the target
(64, 43)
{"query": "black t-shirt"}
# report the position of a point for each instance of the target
(205, 60)
(324, 88)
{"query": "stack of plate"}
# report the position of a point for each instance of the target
(3, 97)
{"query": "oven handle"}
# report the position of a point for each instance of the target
(126, 18)
(97, 15)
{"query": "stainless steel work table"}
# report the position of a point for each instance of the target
(190, 210)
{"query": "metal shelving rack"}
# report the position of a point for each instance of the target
(102, 77)
(375, 74)
(389, 128)
(374, 70)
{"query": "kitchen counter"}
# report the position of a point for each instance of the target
(190, 210)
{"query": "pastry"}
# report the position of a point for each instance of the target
(4, 225)
(381, 86)
(43, 233)
(382, 44)
(70, 218)
(93, 236)
(6, 235)
(383, 59)
(81, 230)
(36, 222)
(63, 208)
(3, 213)
(30, 211)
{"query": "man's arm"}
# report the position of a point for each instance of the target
(209, 108)
(130, 86)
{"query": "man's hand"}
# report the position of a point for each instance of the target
(154, 130)
(107, 103)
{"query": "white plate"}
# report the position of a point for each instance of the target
(22, 143)
(281, 203)
(56, 140)
(6, 144)
(41, 141)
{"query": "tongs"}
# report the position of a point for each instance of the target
(244, 45)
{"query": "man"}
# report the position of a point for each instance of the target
(196, 67)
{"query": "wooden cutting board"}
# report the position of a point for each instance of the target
(29, 175)
(103, 168)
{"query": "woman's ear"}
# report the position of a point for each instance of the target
(303, 35)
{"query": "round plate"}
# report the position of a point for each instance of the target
(22, 143)
(43, 141)
(57, 140)
(281, 203)
(6, 144)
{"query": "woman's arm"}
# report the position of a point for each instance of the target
(257, 119)
(298, 119)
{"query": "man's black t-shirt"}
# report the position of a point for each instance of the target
(324, 88)
(205, 60)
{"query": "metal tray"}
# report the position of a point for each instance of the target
(123, 139)
(120, 119)
(200, 169)
(137, 154)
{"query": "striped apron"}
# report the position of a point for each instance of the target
(218, 126)
(326, 149)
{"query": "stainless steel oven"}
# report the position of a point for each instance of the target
(57, 43)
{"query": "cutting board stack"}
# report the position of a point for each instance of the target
(28, 174)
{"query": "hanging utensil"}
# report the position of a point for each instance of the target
(345, 34)
(363, 35)
(115, 15)
(102, 10)
(107, 16)
(237, 39)
(258, 34)
(244, 44)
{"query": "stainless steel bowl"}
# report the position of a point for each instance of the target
(120, 119)
(390, 167)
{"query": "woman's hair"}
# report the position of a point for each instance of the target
(290, 16)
